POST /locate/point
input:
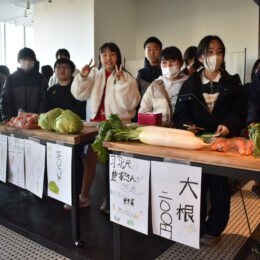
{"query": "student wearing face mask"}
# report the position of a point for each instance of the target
(214, 100)
(25, 88)
(161, 95)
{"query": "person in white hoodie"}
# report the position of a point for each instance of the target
(161, 95)
(111, 90)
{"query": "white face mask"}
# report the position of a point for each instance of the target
(26, 65)
(170, 72)
(211, 63)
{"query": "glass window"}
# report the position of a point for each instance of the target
(14, 42)
(2, 44)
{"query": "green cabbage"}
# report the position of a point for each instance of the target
(254, 132)
(47, 120)
(68, 122)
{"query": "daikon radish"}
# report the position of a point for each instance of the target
(169, 139)
(164, 129)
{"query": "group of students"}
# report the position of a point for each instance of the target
(203, 95)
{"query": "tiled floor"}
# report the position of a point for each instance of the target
(14, 246)
(234, 236)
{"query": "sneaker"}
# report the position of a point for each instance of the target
(104, 207)
(256, 191)
(209, 240)
(84, 202)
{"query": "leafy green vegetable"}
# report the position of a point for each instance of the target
(111, 129)
(47, 120)
(254, 132)
(68, 122)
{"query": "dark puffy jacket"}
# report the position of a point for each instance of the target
(253, 114)
(144, 78)
(23, 90)
(229, 110)
(147, 75)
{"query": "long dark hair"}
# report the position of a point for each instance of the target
(204, 47)
(113, 48)
(257, 63)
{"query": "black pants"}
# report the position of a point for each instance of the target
(218, 216)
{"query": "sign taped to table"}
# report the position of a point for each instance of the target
(16, 161)
(175, 196)
(3, 157)
(34, 167)
(59, 159)
(129, 192)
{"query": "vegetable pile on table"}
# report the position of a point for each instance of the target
(114, 130)
(254, 132)
(24, 120)
(239, 145)
(61, 121)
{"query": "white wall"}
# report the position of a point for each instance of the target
(185, 22)
(64, 24)
(115, 21)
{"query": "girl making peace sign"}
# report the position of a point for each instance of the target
(111, 90)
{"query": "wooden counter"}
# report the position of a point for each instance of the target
(227, 159)
(83, 136)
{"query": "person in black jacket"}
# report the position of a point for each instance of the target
(253, 115)
(24, 89)
(60, 95)
(213, 100)
(151, 69)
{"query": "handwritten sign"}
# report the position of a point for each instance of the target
(129, 192)
(34, 167)
(16, 161)
(59, 159)
(3, 157)
(175, 191)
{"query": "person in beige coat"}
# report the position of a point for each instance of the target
(111, 90)
(161, 95)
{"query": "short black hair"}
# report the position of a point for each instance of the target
(153, 39)
(47, 71)
(113, 48)
(4, 70)
(171, 53)
(65, 61)
(26, 53)
(189, 54)
(64, 52)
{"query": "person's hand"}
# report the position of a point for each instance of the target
(222, 130)
(86, 69)
(119, 73)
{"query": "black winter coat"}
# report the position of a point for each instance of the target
(25, 90)
(229, 110)
(254, 100)
(147, 75)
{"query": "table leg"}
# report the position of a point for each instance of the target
(116, 241)
(77, 169)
